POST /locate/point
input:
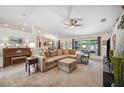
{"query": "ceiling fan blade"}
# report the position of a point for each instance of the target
(64, 21)
(78, 25)
(66, 24)
(66, 27)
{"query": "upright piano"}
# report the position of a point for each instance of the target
(15, 55)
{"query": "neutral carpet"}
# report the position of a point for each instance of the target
(90, 75)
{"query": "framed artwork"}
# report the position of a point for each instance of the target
(16, 42)
(61, 45)
(114, 41)
(121, 24)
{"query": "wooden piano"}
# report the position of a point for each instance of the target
(15, 55)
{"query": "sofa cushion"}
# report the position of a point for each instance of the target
(55, 58)
(66, 52)
(72, 56)
(52, 59)
(72, 51)
(62, 56)
(53, 53)
(47, 55)
(60, 52)
(49, 63)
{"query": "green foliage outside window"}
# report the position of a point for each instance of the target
(86, 44)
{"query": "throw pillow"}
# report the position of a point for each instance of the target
(60, 52)
(66, 52)
(72, 51)
(47, 55)
(53, 53)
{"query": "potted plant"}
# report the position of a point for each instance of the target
(117, 58)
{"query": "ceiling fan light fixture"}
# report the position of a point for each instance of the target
(72, 27)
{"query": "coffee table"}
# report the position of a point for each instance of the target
(67, 64)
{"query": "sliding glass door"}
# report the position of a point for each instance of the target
(87, 45)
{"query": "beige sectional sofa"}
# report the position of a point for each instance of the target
(51, 58)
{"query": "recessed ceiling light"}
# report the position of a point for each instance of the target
(25, 24)
(6, 25)
(39, 31)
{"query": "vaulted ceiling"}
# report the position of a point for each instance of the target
(49, 19)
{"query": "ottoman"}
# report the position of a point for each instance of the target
(67, 64)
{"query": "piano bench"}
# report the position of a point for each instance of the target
(18, 59)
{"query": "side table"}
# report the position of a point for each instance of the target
(31, 61)
(84, 59)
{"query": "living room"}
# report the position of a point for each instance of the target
(66, 44)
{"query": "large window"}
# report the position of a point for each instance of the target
(90, 45)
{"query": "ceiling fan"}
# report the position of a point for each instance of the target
(70, 22)
(67, 20)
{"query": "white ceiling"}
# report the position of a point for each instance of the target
(49, 19)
